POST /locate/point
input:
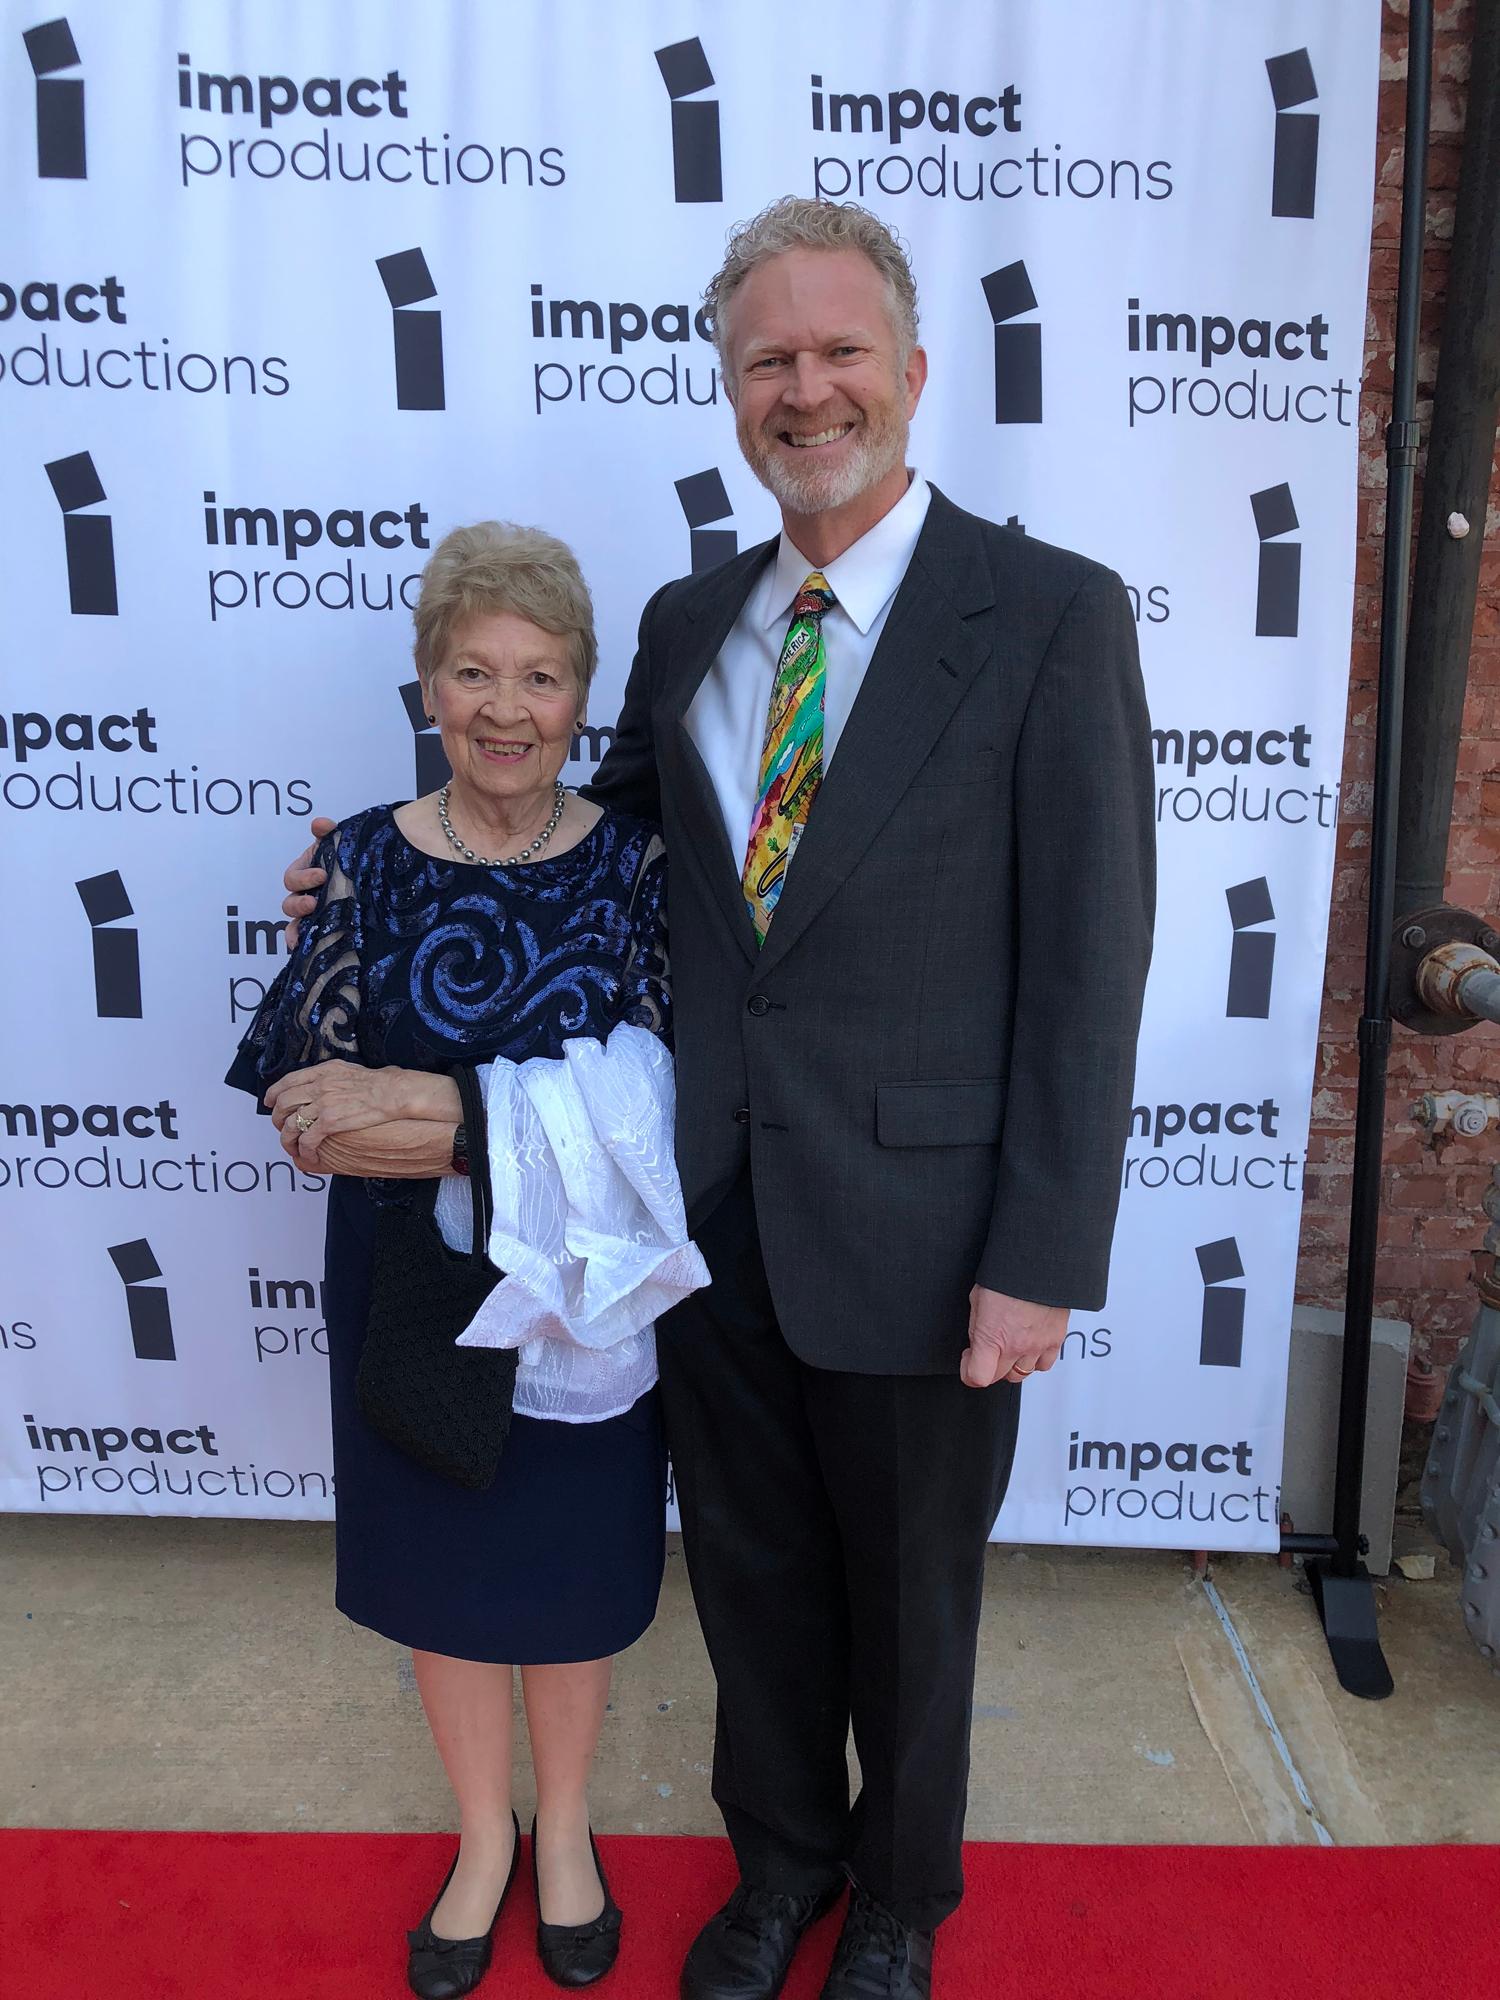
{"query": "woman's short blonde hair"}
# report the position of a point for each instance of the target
(495, 566)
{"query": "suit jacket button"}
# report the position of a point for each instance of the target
(742, 1115)
(759, 1005)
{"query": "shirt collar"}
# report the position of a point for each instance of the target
(867, 575)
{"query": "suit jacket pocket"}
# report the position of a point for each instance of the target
(958, 1113)
(973, 767)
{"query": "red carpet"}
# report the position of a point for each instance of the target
(131, 1916)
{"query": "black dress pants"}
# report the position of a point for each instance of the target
(834, 1527)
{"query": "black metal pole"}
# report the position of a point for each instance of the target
(1341, 1583)
(1293, 1544)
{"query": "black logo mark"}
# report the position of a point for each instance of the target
(1252, 956)
(1223, 1336)
(697, 159)
(1294, 165)
(1278, 590)
(88, 538)
(117, 954)
(703, 499)
(61, 154)
(1018, 349)
(150, 1309)
(433, 768)
(418, 335)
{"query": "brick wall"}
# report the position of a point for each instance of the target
(1431, 1218)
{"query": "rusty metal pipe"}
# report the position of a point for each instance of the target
(1450, 540)
(1461, 980)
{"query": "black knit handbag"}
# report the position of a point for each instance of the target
(446, 1406)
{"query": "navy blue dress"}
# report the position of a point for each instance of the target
(423, 963)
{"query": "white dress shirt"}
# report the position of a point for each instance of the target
(727, 716)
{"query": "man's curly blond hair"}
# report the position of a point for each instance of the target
(797, 222)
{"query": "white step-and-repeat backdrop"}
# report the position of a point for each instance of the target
(289, 289)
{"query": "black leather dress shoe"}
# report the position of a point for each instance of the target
(879, 1957)
(577, 1954)
(744, 1951)
(439, 1968)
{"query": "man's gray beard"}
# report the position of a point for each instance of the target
(817, 490)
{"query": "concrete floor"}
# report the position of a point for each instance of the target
(193, 1674)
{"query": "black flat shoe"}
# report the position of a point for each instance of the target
(577, 1954)
(439, 1968)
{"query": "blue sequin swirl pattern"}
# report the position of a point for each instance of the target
(420, 962)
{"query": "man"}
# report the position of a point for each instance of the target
(901, 757)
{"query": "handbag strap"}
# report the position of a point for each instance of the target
(423, 1197)
(476, 1131)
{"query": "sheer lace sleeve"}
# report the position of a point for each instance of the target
(646, 997)
(311, 1011)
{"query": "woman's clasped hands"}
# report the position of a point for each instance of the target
(310, 1106)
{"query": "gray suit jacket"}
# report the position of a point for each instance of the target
(929, 1064)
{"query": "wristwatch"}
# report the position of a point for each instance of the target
(460, 1150)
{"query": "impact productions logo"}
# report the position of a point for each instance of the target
(1231, 1149)
(320, 130)
(1294, 164)
(1249, 777)
(61, 148)
(1252, 955)
(703, 500)
(1018, 349)
(433, 768)
(117, 953)
(697, 157)
(150, 1308)
(89, 539)
(1222, 1339)
(1278, 589)
(418, 335)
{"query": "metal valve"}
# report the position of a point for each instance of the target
(1464, 1114)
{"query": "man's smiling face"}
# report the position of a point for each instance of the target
(822, 398)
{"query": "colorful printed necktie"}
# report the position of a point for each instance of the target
(791, 763)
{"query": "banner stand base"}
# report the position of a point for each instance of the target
(1346, 1605)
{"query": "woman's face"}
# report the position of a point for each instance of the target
(506, 700)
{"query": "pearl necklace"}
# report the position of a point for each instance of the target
(484, 860)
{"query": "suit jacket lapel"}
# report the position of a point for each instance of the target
(927, 655)
(710, 615)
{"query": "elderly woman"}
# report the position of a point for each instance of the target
(500, 918)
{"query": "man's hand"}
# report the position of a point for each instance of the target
(1009, 1339)
(301, 879)
(317, 1103)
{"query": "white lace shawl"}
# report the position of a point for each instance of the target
(589, 1226)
